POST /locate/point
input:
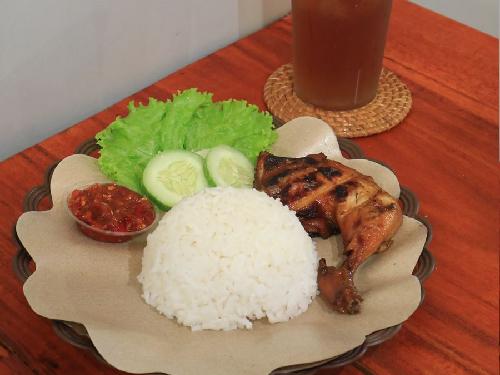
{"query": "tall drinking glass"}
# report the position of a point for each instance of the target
(338, 47)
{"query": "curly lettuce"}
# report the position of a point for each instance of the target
(234, 123)
(190, 121)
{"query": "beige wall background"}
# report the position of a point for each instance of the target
(252, 14)
(480, 14)
(62, 61)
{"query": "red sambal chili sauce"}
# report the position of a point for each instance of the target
(110, 213)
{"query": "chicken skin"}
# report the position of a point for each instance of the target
(329, 197)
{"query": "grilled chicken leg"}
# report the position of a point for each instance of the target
(329, 197)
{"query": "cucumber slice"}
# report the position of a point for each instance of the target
(173, 175)
(227, 166)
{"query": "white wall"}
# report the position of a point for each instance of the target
(64, 60)
(252, 14)
(480, 14)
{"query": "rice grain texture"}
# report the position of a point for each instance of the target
(225, 257)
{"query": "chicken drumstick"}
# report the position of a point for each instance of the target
(329, 197)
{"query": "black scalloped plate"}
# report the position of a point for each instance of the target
(77, 335)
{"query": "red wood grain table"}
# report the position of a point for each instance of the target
(446, 151)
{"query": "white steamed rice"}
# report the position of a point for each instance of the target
(227, 256)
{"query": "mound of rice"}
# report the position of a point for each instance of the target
(227, 256)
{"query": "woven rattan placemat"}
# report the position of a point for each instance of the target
(390, 106)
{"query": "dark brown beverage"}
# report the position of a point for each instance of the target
(338, 46)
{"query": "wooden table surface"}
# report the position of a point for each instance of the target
(446, 151)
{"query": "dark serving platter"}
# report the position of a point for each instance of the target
(76, 334)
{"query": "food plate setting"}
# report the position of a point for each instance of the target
(139, 303)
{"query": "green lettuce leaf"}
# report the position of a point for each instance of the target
(129, 143)
(179, 112)
(234, 123)
(189, 121)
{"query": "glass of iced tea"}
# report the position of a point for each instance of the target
(338, 47)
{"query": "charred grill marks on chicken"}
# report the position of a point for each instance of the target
(329, 197)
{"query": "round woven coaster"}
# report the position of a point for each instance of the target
(390, 106)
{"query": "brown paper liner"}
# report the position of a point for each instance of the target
(389, 108)
(100, 279)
